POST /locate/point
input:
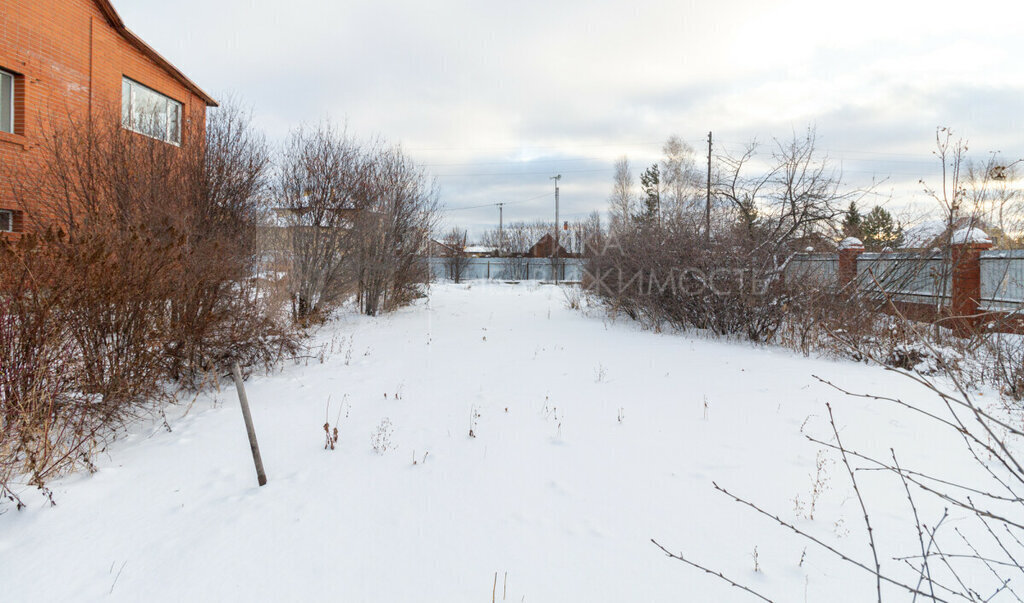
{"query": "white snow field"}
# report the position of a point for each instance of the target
(593, 437)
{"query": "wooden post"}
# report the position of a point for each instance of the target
(236, 375)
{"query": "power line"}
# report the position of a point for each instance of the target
(451, 209)
(608, 169)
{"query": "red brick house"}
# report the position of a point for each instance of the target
(71, 59)
(545, 248)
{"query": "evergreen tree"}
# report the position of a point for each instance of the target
(650, 184)
(880, 230)
(853, 222)
(749, 217)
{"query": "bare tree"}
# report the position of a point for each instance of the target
(622, 201)
(519, 237)
(320, 190)
(797, 198)
(670, 273)
(680, 179)
(400, 211)
(742, 192)
(455, 260)
(952, 193)
(996, 199)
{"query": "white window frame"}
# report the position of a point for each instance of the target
(10, 220)
(126, 121)
(14, 83)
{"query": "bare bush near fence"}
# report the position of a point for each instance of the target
(1006, 365)
(672, 278)
(394, 231)
(733, 284)
(357, 216)
(322, 177)
(455, 260)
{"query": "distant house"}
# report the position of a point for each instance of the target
(481, 251)
(438, 249)
(932, 234)
(545, 248)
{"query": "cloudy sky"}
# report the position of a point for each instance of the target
(494, 98)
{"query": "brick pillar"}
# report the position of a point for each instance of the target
(849, 249)
(965, 255)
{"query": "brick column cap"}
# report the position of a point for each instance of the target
(851, 243)
(972, 237)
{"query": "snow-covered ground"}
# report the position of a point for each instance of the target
(591, 438)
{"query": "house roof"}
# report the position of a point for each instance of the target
(935, 233)
(547, 241)
(115, 20)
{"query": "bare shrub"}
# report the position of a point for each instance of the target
(455, 260)
(321, 174)
(46, 427)
(671, 277)
(140, 270)
(731, 283)
(228, 305)
(357, 217)
(403, 211)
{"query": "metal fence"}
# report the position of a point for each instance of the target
(822, 267)
(511, 269)
(906, 276)
(1002, 280)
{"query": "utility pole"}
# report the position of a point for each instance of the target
(554, 249)
(707, 206)
(501, 229)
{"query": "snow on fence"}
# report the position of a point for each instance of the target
(511, 269)
(906, 276)
(1002, 280)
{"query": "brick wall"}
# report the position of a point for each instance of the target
(69, 58)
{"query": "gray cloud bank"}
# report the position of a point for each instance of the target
(494, 98)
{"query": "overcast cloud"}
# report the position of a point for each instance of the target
(496, 97)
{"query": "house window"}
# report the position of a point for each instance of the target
(6, 102)
(6, 220)
(150, 113)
